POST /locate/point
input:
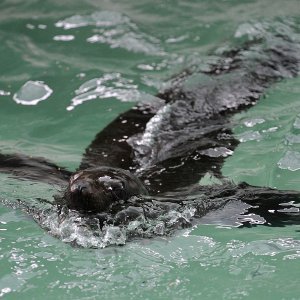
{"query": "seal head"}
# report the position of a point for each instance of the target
(96, 189)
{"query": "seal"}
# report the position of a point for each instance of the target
(97, 189)
(174, 140)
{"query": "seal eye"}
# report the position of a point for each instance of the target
(120, 194)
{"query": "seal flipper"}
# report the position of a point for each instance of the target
(33, 168)
(277, 208)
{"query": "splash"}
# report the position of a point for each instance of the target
(32, 92)
(111, 85)
(222, 204)
(141, 217)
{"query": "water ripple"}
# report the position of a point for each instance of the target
(115, 30)
(290, 161)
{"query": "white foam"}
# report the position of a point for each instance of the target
(111, 85)
(115, 30)
(99, 19)
(32, 92)
(64, 38)
(217, 152)
(4, 93)
(253, 122)
(249, 136)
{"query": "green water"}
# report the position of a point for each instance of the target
(139, 45)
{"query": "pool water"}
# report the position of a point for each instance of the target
(67, 70)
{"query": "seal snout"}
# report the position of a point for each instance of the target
(82, 194)
(96, 189)
(81, 188)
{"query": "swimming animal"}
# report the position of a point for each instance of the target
(165, 146)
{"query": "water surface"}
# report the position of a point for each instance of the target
(67, 70)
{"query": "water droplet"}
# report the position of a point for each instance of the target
(249, 136)
(253, 122)
(64, 38)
